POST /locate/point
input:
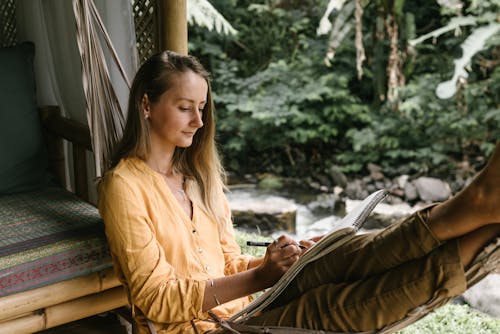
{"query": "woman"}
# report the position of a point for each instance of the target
(170, 233)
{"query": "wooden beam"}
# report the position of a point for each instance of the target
(26, 302)
(68, 311)
(172, 25)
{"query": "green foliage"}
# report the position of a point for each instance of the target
(281, 105)
(285, 105)
(429, 135)
(281, 109)
(242, 238)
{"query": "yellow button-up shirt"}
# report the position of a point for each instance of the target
(163, 257)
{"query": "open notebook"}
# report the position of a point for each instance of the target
(347, 227)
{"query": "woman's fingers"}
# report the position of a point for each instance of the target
(280, 256)
(306, 244)
(283, 252)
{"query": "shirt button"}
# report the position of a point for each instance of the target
(207, 268)
(200, 250)
(194, 231)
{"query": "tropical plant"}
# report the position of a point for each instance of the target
(203, 14)
(284, 106)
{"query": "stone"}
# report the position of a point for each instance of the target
(410, 190)
(323, 180)
(485, 295)
(356, 190)
(402, 180)
(323, 204)
(384, 214)
(431, 189)
(375, 171)
(262, 213)
(338, 178)
(265, 223)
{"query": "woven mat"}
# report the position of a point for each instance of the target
(46, 237)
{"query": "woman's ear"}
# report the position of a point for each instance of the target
(145, 106)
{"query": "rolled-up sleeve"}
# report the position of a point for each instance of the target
(151, 280)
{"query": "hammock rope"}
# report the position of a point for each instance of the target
(105, 117)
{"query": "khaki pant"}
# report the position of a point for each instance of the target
(371, 281)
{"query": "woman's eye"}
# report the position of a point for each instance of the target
(185, 108)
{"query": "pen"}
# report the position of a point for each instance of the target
(265, 244)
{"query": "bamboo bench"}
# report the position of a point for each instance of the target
(55, 265)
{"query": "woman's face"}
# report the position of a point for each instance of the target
(177, 115)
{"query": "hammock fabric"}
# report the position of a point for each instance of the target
(488, 261)
(105, 118)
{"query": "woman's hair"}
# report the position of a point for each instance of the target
(199, 162)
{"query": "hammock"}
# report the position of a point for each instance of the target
(488, 261)
(105, 118)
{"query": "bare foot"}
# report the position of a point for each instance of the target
(486, 188)
(476, 205)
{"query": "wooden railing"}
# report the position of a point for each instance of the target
(57, 128)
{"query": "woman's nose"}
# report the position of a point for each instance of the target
(197, 119)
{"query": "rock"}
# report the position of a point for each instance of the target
(265, 222)
(402, 180)
(338, 178)
(262, 213)
(411, 193)
(355, 189)
(323, 180)
(375, 172)
(485, 295)
(431, 189)
(400, 193)
(384, 214)
(323, 204)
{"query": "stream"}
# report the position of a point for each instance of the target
(315, 213)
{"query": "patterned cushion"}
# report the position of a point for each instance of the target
(48, 236)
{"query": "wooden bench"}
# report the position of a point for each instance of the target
(55, 265)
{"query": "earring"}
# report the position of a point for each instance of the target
(146, 116)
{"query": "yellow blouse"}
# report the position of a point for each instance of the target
(163, 257)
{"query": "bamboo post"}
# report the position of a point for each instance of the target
(69, 311)
(15, 305)
(172, 25)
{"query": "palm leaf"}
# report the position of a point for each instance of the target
(202, 13)
(324, 24)
(341, 27)
(472, 45)
(454, 24)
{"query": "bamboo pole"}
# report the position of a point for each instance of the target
(172, 25)
(28, 301)
(66, 312)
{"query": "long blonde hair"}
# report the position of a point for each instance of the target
(200, 162)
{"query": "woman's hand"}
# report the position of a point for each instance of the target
(280, 255)
(306, 244)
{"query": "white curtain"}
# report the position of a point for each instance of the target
(50, 24)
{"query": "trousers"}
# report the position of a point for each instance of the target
(371, 281)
